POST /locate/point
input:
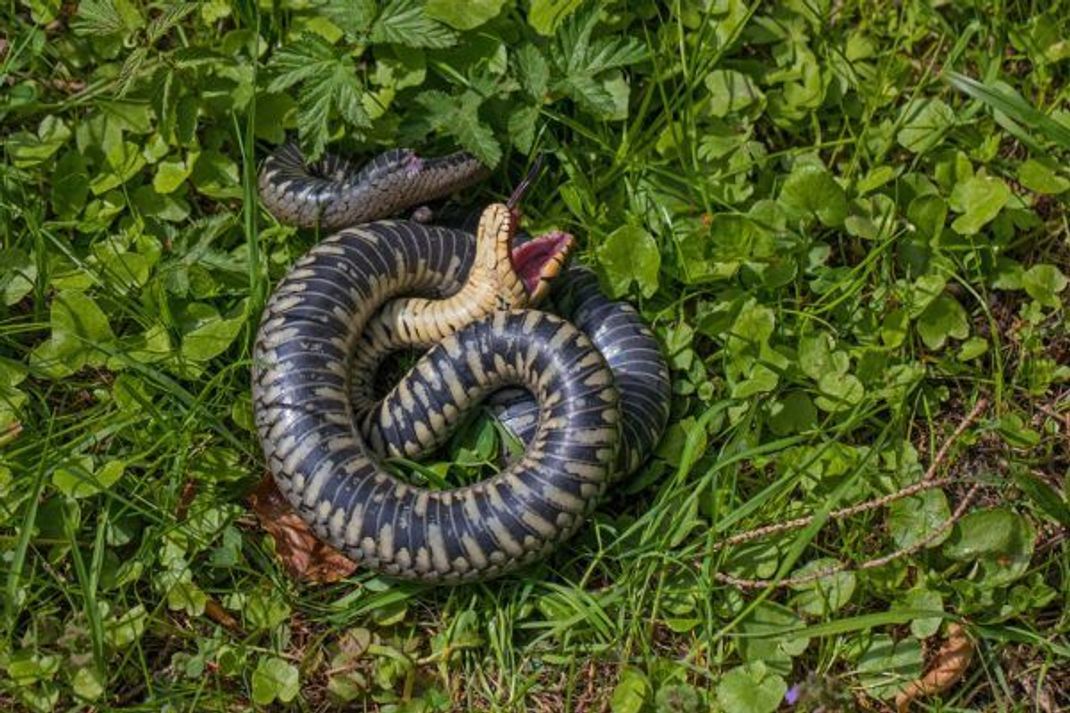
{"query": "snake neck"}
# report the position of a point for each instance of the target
(492, 284)
(493, 277)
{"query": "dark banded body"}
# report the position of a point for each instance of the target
(589, 399)
(615, 328)
(633, 355)
(329, 474)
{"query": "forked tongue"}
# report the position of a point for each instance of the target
(525, 184)
(539, 258)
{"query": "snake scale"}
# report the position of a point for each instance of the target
(588, 393)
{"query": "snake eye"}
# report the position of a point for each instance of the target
(540, 259)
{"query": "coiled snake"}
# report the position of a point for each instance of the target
(599, 381)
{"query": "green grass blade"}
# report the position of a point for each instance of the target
(1012, 105)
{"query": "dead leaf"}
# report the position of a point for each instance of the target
(215, 611)
(303, 554)
(946, 669)
(10, 433)
(185, 499)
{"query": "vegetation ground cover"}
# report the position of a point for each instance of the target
(847, 221)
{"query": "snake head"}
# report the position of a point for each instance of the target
(521, 270)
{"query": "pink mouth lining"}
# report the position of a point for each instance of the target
(531, 258)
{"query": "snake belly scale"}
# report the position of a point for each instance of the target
(585, 420)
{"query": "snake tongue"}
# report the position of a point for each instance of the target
(540, 259)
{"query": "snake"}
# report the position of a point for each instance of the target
(585, 389)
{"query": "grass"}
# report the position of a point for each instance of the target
(846, 221)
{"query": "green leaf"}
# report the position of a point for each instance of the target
(306, 58)
(405, 22)
(812, 191)
(1015, 431)
(928, 214)
(522, 124)
(547, 15)
(877, 177)
(973, 348)
(763, 636)
(329, 81)
(589, 93)
(912, 519)
(630, 254)
(1007, 274)
(354, 17)
(26, 667)
(887, 666)
(1045, 497)
(184, 595)
(1044, 283)
(952, 167)
(216, 175)
(170, 175)
(922, 599)
(751, 688)
(631, 692)
(817, 357)
(274, 678)
(943, 318)
(87, 683)
(78, 480)
(581, 62)
(44, 12)
(730, 91)
(79, 326)
(104, 18)
(18, 273)
(826, 595)
(464, 15)
(264, 609)
(1041, 175)
(28, 150)
(211, 339)
(458, 116)
(979, 199)
(124, 630)
(534, 71)
(272, 111)
(170, 208)
(677, 698)
(924, 290)
(894, 327)
(795, 413)
(751, 329)
(839, 392)
(70, 185)
(991, 532)
(760, 379)
(926, 122)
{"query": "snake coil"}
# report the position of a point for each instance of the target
(599, 381)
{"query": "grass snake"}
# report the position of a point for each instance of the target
(587, 392)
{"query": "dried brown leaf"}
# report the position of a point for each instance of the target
(302, 554)
(215, 611)
(946, 669)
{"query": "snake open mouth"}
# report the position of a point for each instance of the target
(539, 260)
